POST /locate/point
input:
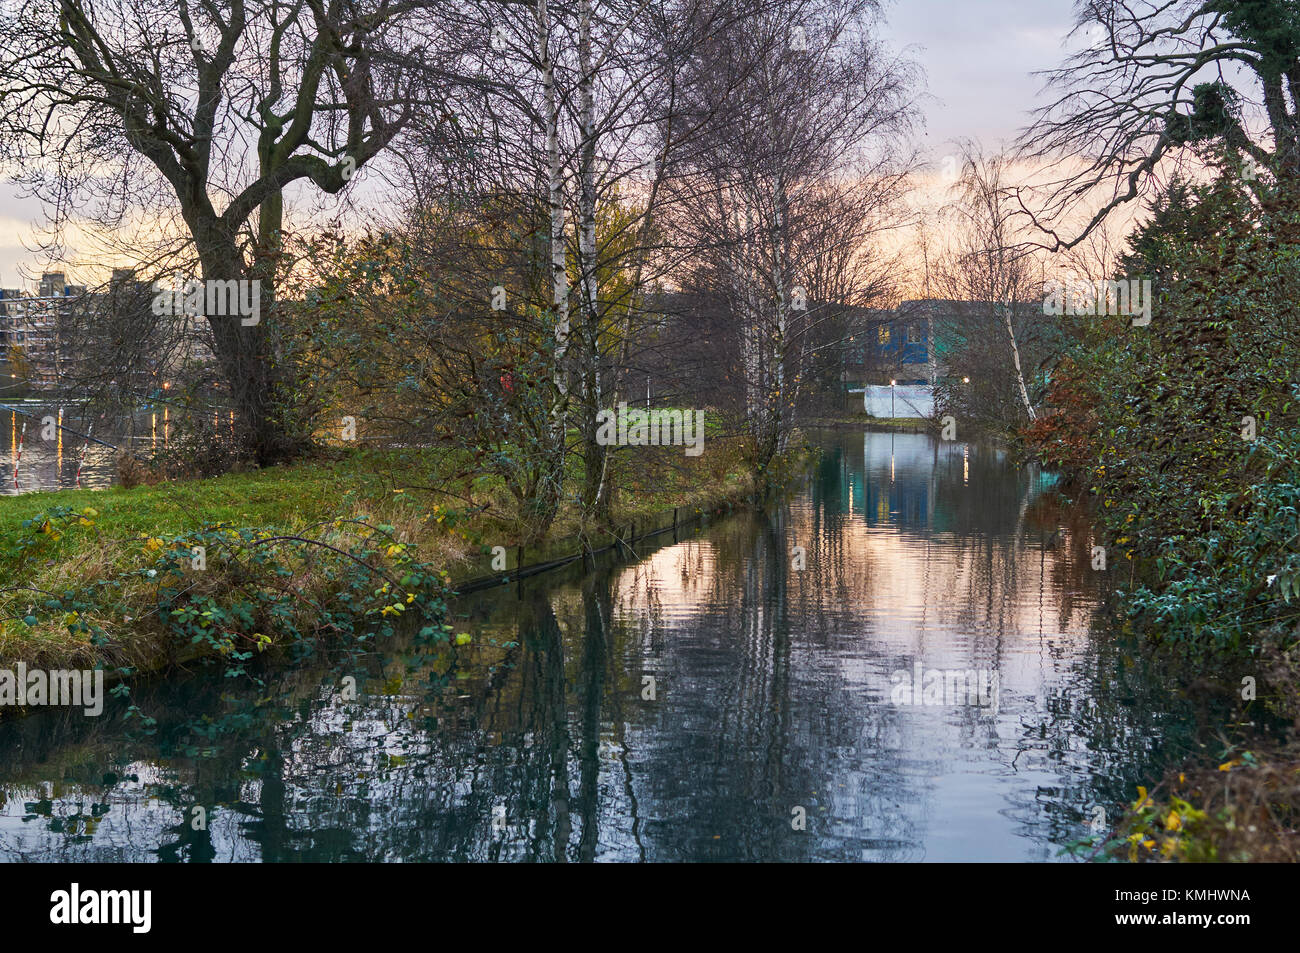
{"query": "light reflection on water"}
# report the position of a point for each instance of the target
(772, 692)
(53, 464)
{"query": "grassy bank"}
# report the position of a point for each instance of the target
(859, 420)
(350, 544)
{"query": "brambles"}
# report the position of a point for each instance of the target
(247, 591)
(1244, 809)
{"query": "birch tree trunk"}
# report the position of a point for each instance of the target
(587, 199)
(554, 191)
(589, 374)
(549, 495)
(781, 339)
(1015, 356)
(931, 358)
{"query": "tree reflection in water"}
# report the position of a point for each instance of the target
(772, 692)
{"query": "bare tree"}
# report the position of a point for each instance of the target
(583, 110)
(992, 274)
(202, 115)
(803, 166)
(1148, 84)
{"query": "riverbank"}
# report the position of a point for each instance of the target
(1243, 810)
(1212, 587)
(1202, 516)
(1187, 437)
(861, 421)
(140, 579)
(1240, 801)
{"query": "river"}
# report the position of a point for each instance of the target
(45, 446)
(718, 696)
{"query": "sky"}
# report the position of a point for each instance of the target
(979, 58)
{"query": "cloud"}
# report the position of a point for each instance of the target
(980, 58)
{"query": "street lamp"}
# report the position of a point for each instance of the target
(891, 400)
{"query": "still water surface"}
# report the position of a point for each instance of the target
(691, 703)
(61, 445)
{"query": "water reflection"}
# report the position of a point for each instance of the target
(684, 705)
(45, 446)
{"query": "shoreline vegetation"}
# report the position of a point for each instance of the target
(1185, 436)
(352, 543)
(849, 420)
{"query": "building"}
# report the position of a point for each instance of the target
(31, 328)
(912, 343)
(49, 338)
(904, 345)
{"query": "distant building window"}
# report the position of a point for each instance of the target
(882, 335)
(914, 334)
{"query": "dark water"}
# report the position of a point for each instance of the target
(55, 448)
(773, 698)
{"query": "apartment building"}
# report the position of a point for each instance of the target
(31, 327)
(43, 335)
